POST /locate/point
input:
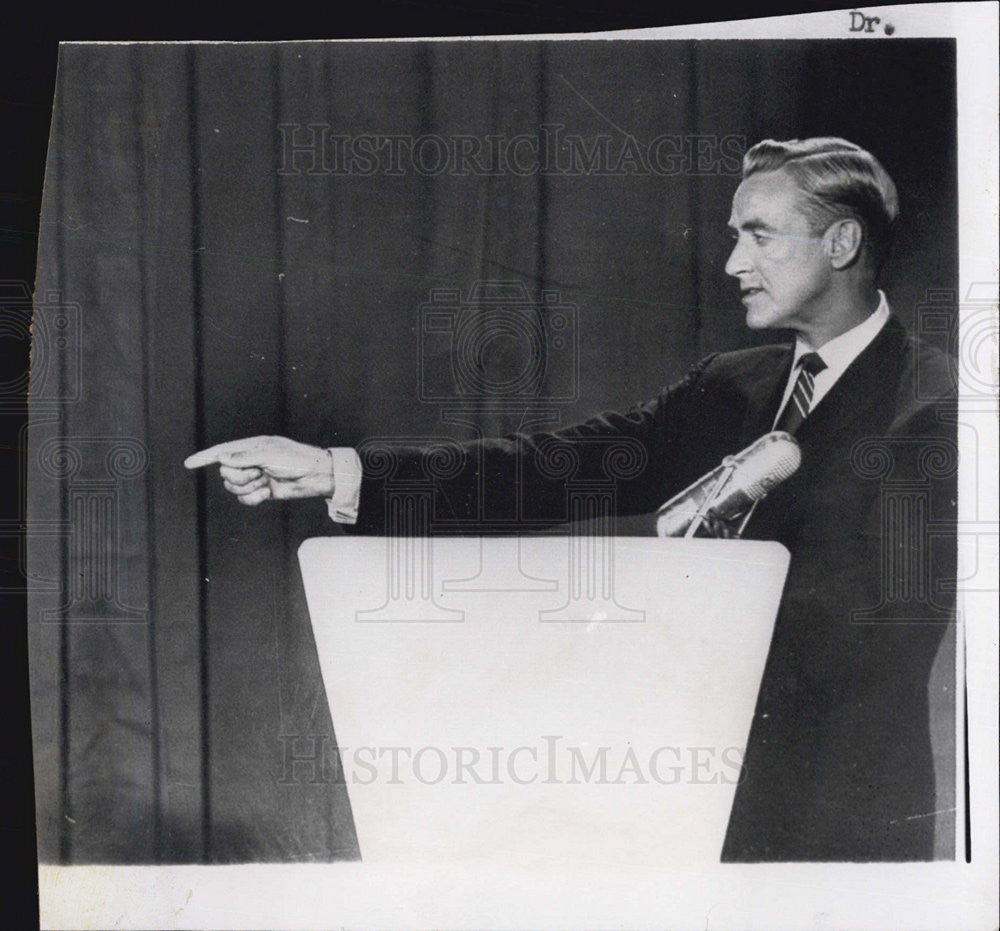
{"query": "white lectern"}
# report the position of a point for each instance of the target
(541, 699)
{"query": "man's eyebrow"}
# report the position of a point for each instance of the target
(752, 226)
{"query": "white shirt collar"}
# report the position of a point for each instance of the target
(841, 351)
(838, 354)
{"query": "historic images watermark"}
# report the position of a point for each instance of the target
(499, 350)
(87, 473)
(91, 472)
(464, 334)
(47, 369)
(318, 149)
(53, 327)
(971, 330)
(917, 476)
(550, 760)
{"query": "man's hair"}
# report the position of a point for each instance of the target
(838, 179)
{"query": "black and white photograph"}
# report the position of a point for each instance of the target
(517, 481)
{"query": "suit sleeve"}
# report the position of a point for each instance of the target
(631, 462)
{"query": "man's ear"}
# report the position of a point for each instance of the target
(843, 240)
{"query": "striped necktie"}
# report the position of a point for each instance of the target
(797, 408)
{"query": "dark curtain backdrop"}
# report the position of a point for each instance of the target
(206, 296)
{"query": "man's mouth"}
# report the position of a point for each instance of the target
(749, 292)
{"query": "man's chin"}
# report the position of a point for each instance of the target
(757, 320)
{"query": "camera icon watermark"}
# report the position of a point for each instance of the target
(54, 361)
(497, 344)
(971, 331)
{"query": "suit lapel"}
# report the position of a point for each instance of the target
(828, 433)
(865, 385)
(767, 385)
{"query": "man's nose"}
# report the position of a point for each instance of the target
(737, 263)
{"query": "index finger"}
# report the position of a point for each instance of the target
(235, 453)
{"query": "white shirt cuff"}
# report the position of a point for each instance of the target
(343, 506)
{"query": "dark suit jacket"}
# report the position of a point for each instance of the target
(838, 762)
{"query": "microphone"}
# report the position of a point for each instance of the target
(733, 487)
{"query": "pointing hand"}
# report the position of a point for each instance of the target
(262, 467)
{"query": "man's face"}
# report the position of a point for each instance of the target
(784, 273)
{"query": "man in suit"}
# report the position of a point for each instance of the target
(838, 764)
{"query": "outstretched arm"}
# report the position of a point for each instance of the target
(521, 477)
